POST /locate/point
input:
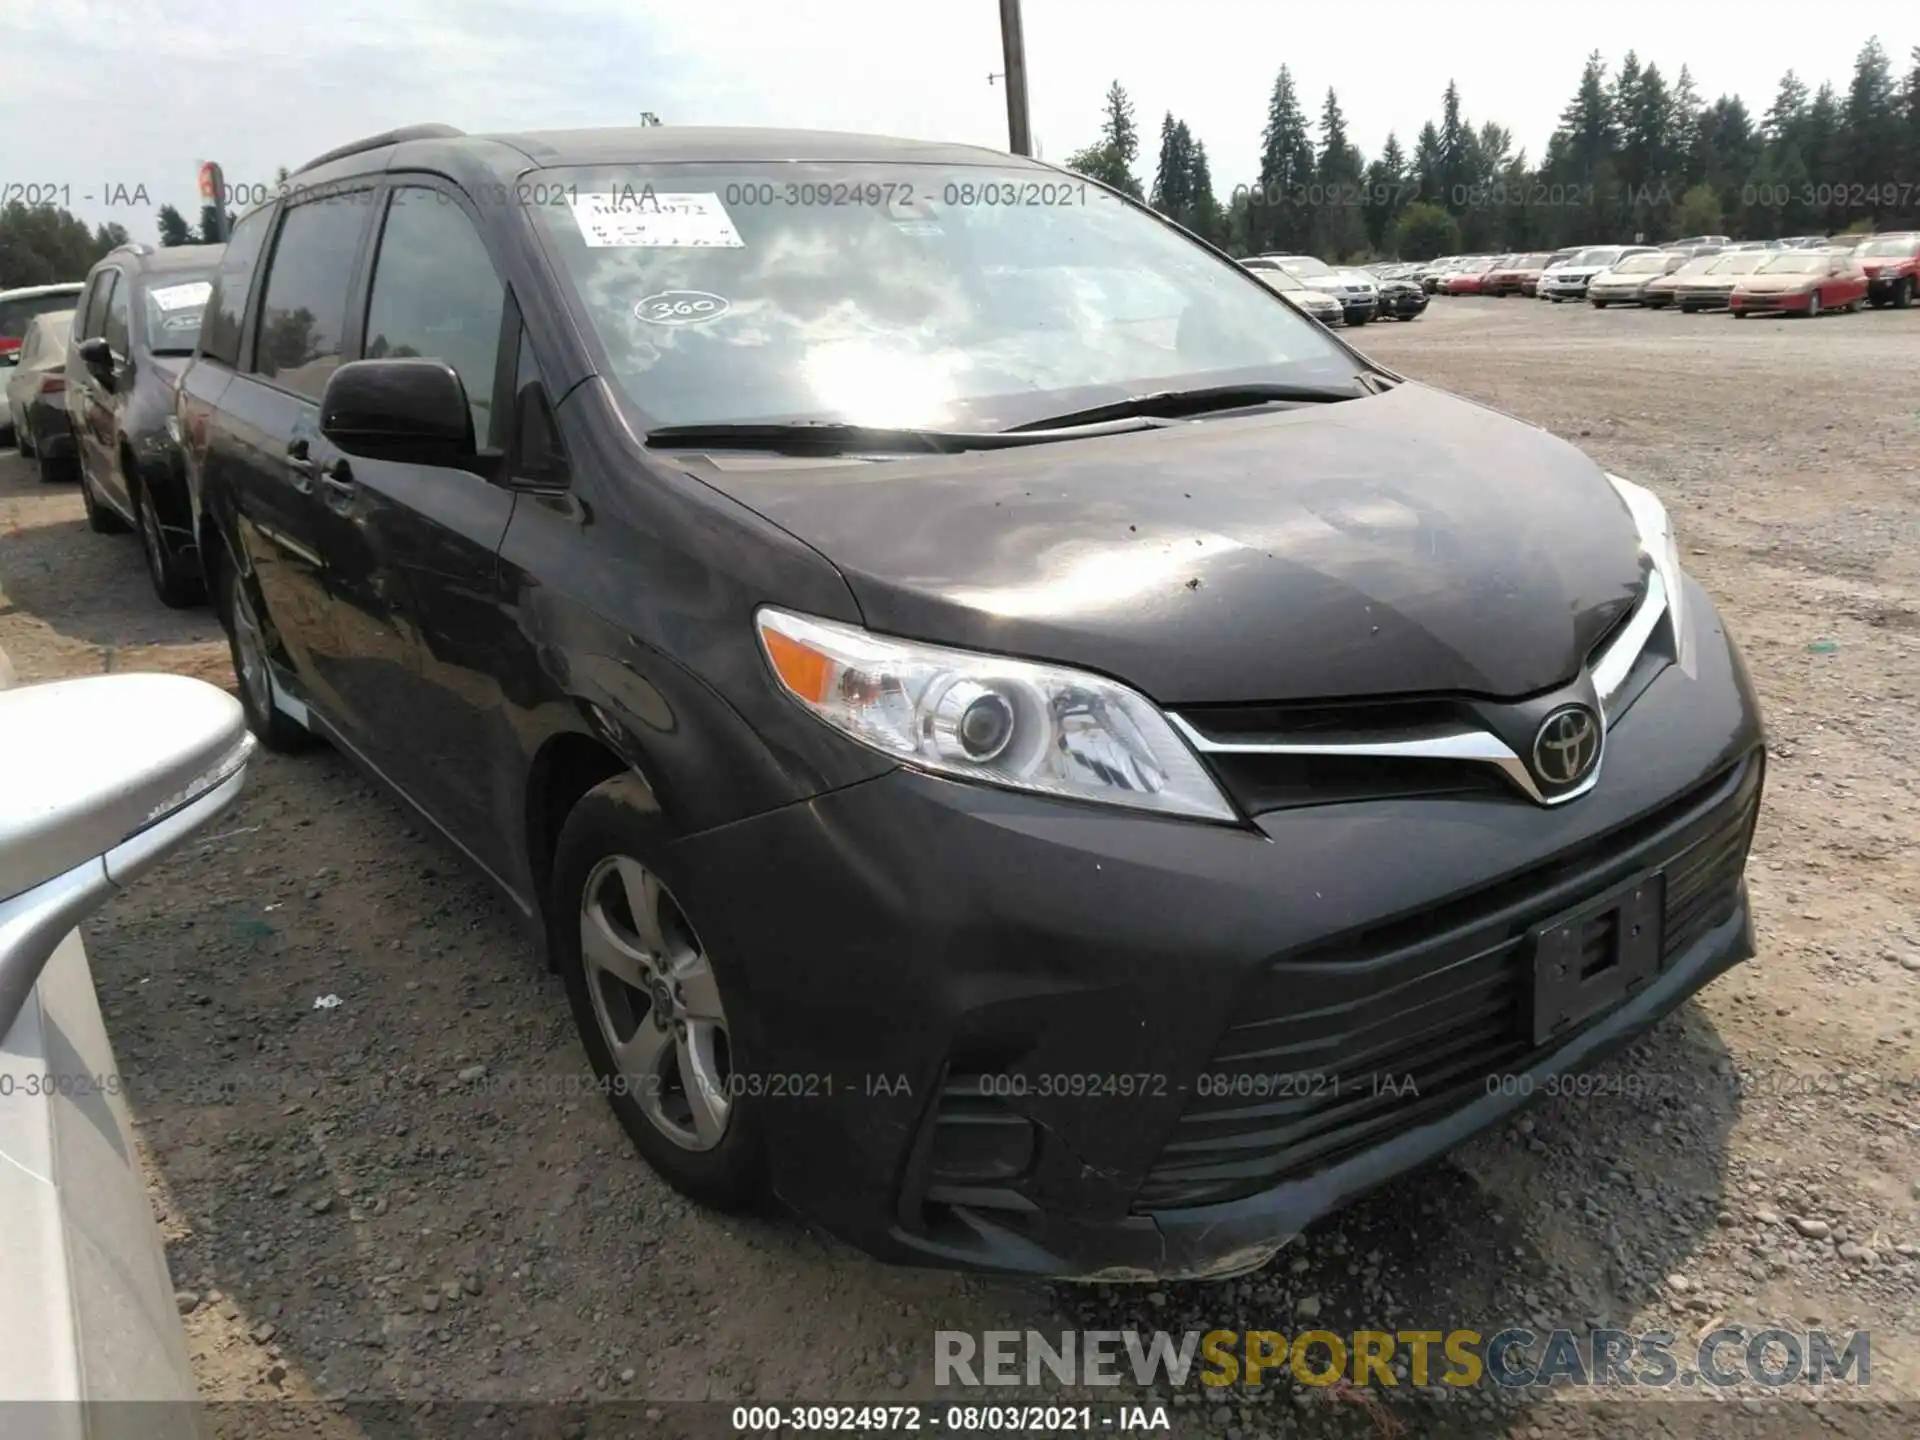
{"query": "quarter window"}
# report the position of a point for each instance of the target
(232, 284)
(304, 310)
(115, 328)
(436, 294)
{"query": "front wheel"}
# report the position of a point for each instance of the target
(1813, 306)
(23, 437)
(1903, 294)
(655, 1016)
(1599, 304)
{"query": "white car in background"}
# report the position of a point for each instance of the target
(1317, 304)
(1568, 279)
(1359, 297)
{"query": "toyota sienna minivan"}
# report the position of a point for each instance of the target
(1019, 744)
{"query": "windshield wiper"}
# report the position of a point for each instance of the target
(826, 437)
(1178, 404)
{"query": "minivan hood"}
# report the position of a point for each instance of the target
(1410, 542)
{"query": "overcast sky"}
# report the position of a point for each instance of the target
(100, 94)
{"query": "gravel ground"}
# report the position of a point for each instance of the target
(396, 1198)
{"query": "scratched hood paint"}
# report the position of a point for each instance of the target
(1406, 543)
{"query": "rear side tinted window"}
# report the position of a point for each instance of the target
(304, 307)
(232, 284)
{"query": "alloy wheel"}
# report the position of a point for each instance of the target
(656, 1002)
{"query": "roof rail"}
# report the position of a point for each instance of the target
(385, 137)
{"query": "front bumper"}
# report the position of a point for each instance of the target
(1358, 310)
(1565, 290)
(1886, 287)
(1703, 299)
(1784, 304)
(985, 1023)
(1403, 304)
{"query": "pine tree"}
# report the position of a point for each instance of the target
(1282, 223)
(1683, 130)
(1386, 197)
(1170, 181)
(1869, 152)
(1207, 221)
(174, 229)
(1110, 159)
(1456, 135)
(1426, 165)
(1339, 232)
(1910, 145)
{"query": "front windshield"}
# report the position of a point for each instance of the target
(1307, 265)
(175, 300)
(966, 298)
(1642, 265)
(1794, 264)
(1476, 267)
(1741, 262)
(1605, 255)
(1897, 248)
(1699, 266)
(1281, 280)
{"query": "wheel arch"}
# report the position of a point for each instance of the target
(567, 765)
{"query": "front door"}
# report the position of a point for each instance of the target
(310, 566)
(432, 534)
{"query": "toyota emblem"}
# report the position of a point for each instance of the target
(1567, 746)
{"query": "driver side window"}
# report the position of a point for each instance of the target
(435, 293)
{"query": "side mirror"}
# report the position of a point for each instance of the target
(97, 356)
(91, 803)
(10, 358)
(412, 410)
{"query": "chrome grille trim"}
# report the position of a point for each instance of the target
(1609, 672)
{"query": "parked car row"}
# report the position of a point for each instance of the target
(1361, 295)
(91, 394)
(1802, 274)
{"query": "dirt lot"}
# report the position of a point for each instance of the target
(352, 1215)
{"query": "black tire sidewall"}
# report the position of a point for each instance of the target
(274, 729)
(621, 817)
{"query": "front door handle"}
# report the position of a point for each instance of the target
(300, 464)
(337, 476)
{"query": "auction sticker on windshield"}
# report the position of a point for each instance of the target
(191, 296)
(650, 219)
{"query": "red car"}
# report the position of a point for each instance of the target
(1892, 263)
(1471, 277)
(1800, 282)
(1511, 275)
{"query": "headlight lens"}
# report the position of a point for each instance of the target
(1658, 541)
(998, 721)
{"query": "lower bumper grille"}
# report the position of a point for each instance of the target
(1408, 1021)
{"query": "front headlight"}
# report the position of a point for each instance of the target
(1657, 541)
(997, 721)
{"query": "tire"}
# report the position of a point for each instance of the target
(1555, 299)
(249, 644)
(1903, 293)
(177, 587)
(100, 518)
(1813, 306)
(1598, 304)
(23, 438)
(604, 887)
(55, 472)
(1739, 314)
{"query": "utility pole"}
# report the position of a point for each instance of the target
(1013, 44)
